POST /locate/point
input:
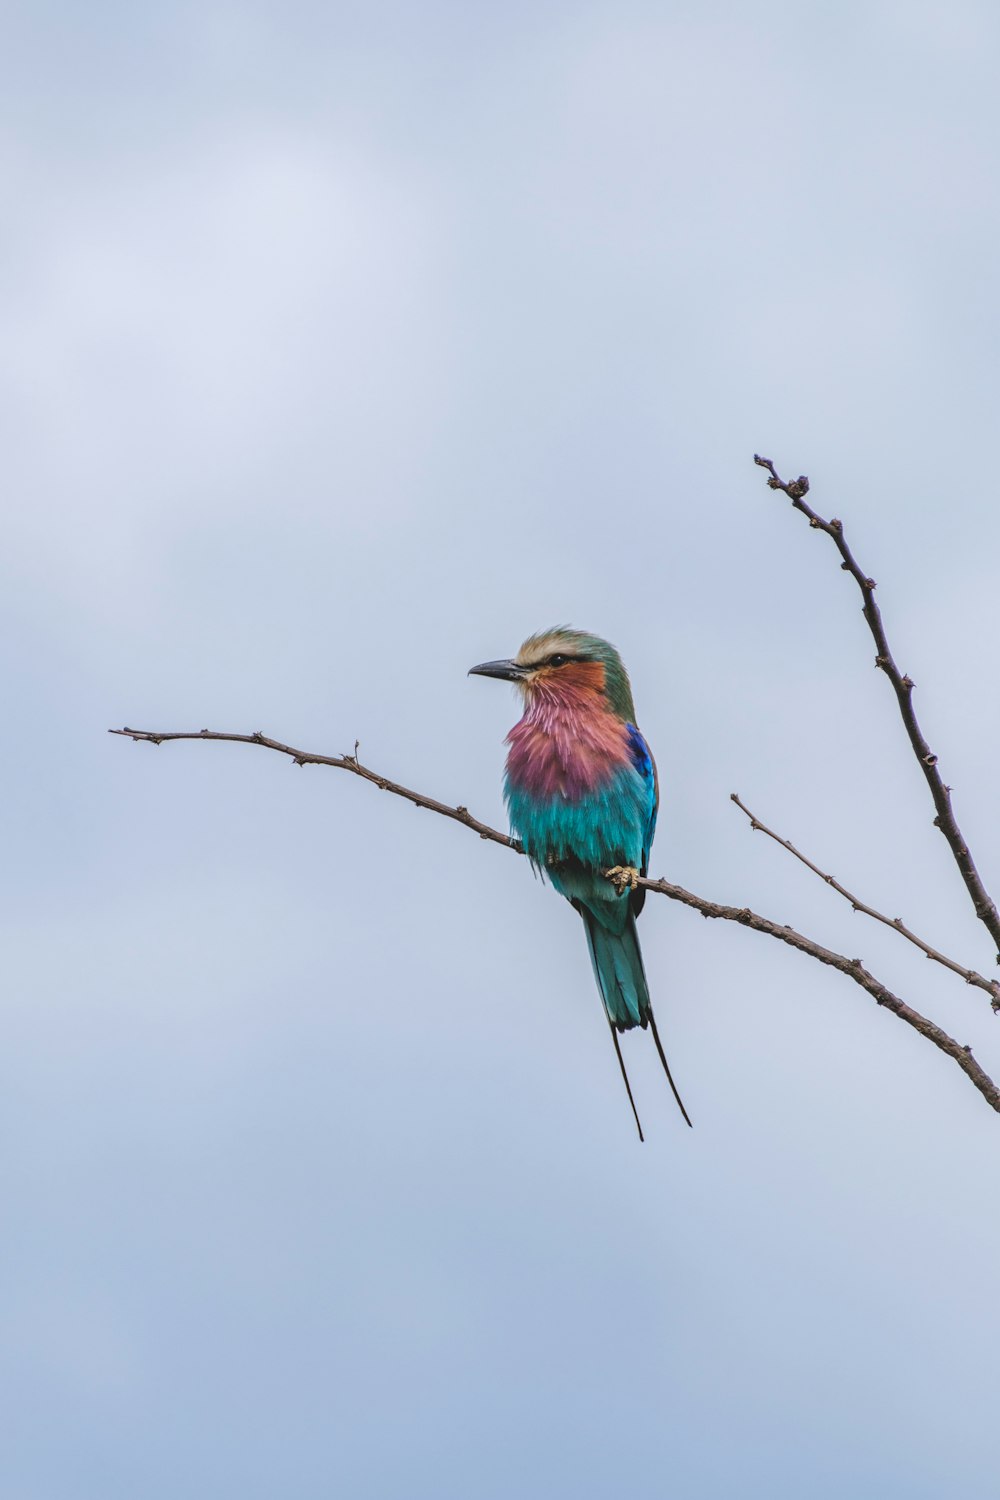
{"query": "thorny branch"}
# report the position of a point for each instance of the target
(991, 986)
(852, 967)
(985, 908)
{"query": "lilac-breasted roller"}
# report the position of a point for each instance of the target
(582, 795)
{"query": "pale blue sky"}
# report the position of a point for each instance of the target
(342, 347)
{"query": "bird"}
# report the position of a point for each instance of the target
(582, 795)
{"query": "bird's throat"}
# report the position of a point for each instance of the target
(569, 744)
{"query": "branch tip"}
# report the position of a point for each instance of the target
(945, 820)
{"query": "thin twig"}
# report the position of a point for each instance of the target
(983, 903)
(991, 986)
(852, 967)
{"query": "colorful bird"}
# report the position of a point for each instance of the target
(582, 794)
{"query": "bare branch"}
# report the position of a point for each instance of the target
(903, 685)
(852, 967)
(991, 986)
(340, 763)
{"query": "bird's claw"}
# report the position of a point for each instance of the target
(622, 877)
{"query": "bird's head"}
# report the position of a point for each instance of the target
(564, 664)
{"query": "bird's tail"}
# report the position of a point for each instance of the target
(621, 979)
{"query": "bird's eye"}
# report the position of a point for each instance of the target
(559, 660)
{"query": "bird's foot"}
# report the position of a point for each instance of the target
(622, 877)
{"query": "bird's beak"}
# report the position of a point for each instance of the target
(509, 671)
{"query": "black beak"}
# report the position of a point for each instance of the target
(509, 671)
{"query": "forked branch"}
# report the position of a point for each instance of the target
(852, 967)
(991, 986)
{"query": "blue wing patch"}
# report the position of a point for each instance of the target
(644, 763)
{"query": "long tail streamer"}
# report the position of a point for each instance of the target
(628, 1086)
(666, 1069)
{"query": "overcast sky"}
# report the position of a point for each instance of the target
(342, 347)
